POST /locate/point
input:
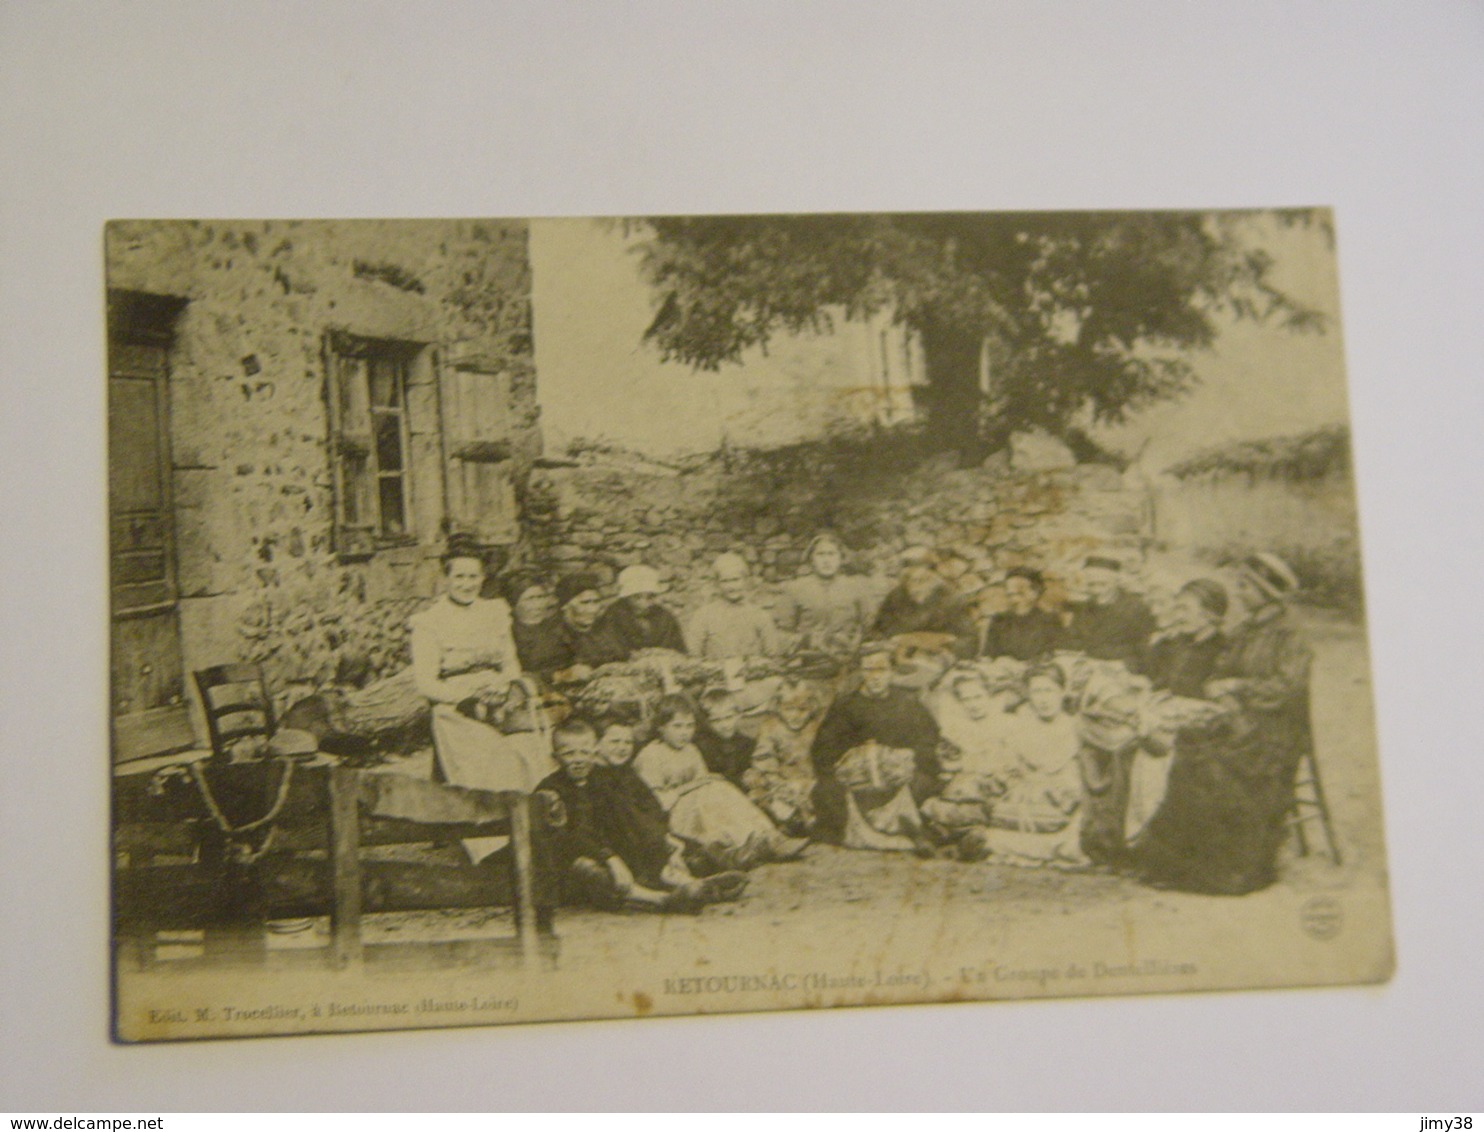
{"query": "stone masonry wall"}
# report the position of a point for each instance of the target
(252, 478)
(612, 512)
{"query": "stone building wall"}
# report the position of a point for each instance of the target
(260, 575)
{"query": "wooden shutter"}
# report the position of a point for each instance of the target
(477, 450)
(348, 402)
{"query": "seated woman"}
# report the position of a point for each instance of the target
(1230, 788)
(875, 760)
(732, 627)
(925, 609)
(1181, 658)
(1179, 661)
(781, 776)
(612, 845)
(463, 654)
(1036, 820)
(1023, 629)
(636, 620)
(705, 809)
(580, 642)
(536, 626)
(1110, 623)
(463, 657)
(824, 609)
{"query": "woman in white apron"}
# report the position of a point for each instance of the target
(463, 654)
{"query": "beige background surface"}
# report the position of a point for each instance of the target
(575, 109)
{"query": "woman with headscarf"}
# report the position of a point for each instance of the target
(1224, 815)
(588, 643)
(636, 620)
(926, 609)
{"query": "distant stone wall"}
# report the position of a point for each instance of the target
(252, 477)
(611, 513)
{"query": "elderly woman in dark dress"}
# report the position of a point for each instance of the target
(536, 626)
(1181, 659)
(1225, 812)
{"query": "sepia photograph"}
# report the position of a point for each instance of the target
(565, 618)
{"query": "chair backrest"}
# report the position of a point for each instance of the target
(235, 699)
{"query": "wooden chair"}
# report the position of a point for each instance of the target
(1310, 805)
(237, 706)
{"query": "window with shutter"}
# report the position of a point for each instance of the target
(370, 442)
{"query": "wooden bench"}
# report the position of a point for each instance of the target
(231, 847)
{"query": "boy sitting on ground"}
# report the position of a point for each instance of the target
(611, 853)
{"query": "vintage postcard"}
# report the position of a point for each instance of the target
(585, 618)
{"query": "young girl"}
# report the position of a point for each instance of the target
(704, 808)
(975, 725)
(727, 751)
(1038, 819)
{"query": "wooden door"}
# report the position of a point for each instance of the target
(149, 703)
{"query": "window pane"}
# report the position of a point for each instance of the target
(386, 384)
(393, 513)
(388, 442)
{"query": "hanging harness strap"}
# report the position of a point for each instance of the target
(234, 833)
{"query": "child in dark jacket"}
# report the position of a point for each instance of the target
(726, 750)
(613, 849)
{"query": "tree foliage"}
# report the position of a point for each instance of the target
(1084, 313)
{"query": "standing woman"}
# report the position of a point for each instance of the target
(1230, 790)
(462, 654)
